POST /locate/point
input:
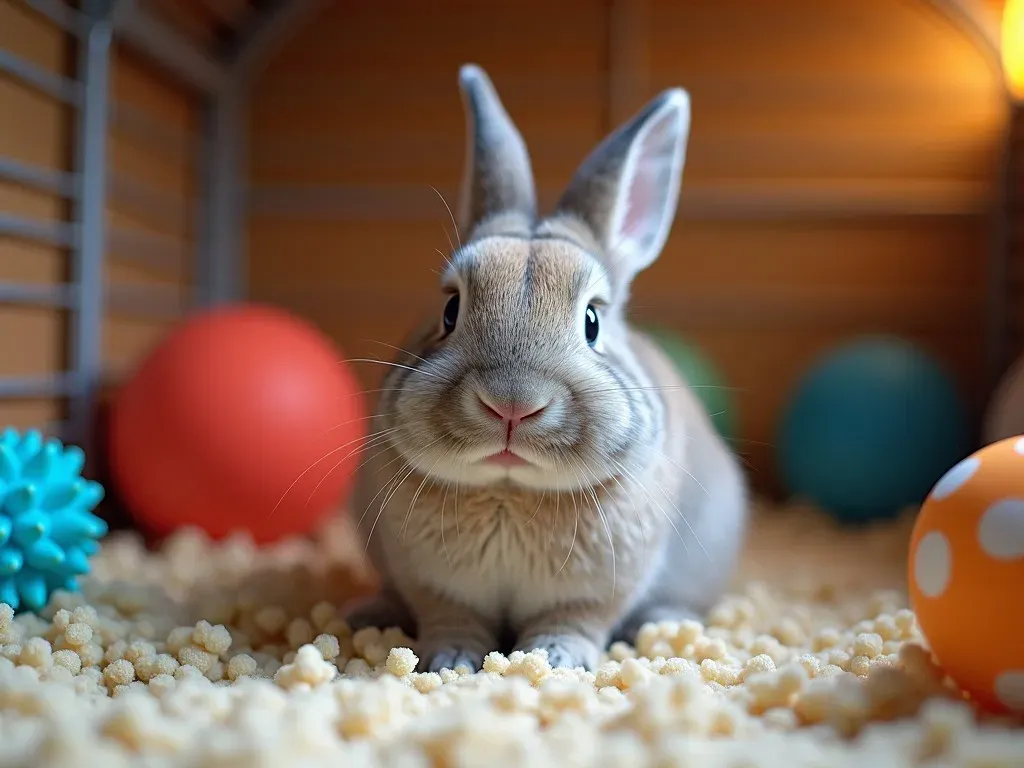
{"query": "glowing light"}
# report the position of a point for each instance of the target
(1013, 46)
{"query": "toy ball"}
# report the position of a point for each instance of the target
(47, 529)
(244, 419)
(966, 574)
(703, 376)
(870, 428)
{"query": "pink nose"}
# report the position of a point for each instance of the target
(511, 413)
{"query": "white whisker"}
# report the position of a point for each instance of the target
(397, 349)
(326, 456)
(636, 481)
(394, 365)
(575, 528)
(455, 226)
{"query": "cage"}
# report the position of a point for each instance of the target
(844, 174)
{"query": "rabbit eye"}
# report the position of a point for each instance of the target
(590, 326)
(451, 313)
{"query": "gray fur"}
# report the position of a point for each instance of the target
(632, 508)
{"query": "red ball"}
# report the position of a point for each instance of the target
(223, 418)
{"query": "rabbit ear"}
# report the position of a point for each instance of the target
(497, 178)
(626, 191)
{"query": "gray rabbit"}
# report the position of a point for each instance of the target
(538, 469)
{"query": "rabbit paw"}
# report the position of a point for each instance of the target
(569, 651)
(382, 611)
(450, 657)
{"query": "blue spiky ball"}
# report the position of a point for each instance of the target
(47, 529)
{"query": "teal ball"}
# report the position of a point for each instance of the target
(870, 428)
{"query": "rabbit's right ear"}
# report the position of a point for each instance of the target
(498, 179)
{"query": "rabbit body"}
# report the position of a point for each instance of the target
(537, 473)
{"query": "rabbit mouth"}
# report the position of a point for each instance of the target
(506, 458)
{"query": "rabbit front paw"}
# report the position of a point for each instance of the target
(450, 654)
(564, 650)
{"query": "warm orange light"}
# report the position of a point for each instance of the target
(1013, 46)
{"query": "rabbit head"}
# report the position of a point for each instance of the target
(526, 372)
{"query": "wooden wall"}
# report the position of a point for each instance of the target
(840, 168)
(152, 188)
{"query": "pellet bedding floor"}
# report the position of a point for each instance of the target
(207, 654)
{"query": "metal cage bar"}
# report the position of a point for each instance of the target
(38, 178)
(61, 15)
(58, 233)
(90, 214)
(56, 86)
(29, 294)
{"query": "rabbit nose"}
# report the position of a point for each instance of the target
(512, 413)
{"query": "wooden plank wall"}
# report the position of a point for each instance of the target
(151, 208)
(33, 129)
(839, 176)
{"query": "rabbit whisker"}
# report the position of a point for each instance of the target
(661, 388)
(395, 365)
(604, 521)
(678, 511)
(451, 216)
(415, 497)
(683, 469)
(412, 469)
(622, 468)
(536, 512)
(326, 456)
(352, 421)
(397, 349)
(387, 497)
(406, 463)
(575, 529)
(383, 437)
(444, 544)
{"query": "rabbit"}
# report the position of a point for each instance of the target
(537, 475)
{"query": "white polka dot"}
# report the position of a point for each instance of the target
(933, 562)
(1001, 530)
(1019, 446)
(1009, 689)
(954, 479)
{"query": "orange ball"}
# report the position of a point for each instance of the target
(966, 574)
(225, 415)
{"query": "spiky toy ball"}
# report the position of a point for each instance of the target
(47, 529)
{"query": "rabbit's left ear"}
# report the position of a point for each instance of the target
(626, 191)
(497, 183)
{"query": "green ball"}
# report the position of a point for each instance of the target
(703, 376)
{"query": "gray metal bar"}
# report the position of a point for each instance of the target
(151, 37)
(36, 177)
(264, 31)
(59, 234)
(32, 75)
(87, 265)
(151, 302)
(62, 15)
(58, 385)
(30, 294)
(220, 268)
